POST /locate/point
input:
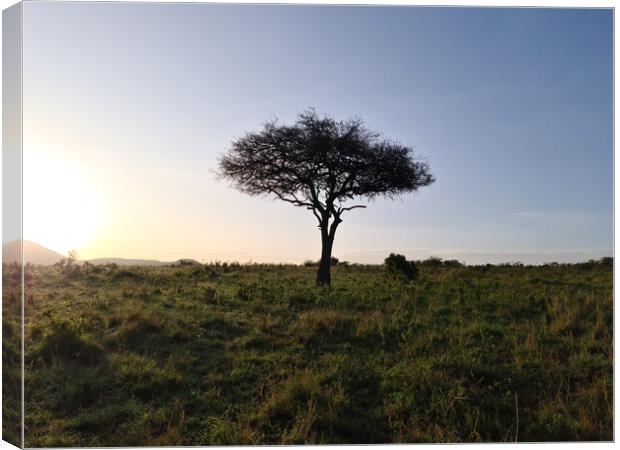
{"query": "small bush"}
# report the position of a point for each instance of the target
(213, 275)
(607, 261)
(432, 261)
(398, 266)
(452, 263)
(210, 295)
(69, 266)
(134, 327)
(63, 341)
(244, 293)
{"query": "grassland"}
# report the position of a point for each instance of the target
(236, 354)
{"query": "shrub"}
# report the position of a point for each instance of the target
(210, 295)
(69, 266)
(607, 261)
(244, 293)
(452, 263)
(63, 341)
(135, 328)
(188, 262)
(432, 261)
(398, 266)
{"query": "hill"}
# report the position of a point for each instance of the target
(37, 254)
(128, 262)
(142, 262)
(33, 253)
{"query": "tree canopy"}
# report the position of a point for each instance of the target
(321, 163)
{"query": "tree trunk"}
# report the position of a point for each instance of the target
(323, 276)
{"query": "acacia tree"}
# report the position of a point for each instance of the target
(323, 165)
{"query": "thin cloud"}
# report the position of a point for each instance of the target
(564, 216)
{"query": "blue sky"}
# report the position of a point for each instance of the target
(512, 109)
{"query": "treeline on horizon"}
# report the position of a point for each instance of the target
(432, 261)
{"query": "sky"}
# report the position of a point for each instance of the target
(128, 106)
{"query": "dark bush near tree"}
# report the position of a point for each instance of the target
(607, 261)
(398, 266)
(432, 261)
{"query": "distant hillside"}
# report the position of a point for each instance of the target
(128, 262)
(141, 262)
(37, 254)
(33, 253)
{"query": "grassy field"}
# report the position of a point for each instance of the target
(229, 354)
(11, 355)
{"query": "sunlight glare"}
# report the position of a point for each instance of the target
(60, 205)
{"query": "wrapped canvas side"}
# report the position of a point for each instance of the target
(12, 242)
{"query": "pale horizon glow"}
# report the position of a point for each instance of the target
(61, 209)
(127, 106)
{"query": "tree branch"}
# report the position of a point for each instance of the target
(349, 208)
(294, 200)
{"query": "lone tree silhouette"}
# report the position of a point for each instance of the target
(322, 164)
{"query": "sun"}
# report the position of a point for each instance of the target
(60, 205)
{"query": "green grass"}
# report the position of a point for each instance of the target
(11, 355)
(199, 355)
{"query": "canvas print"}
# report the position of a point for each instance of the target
(230, 224)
